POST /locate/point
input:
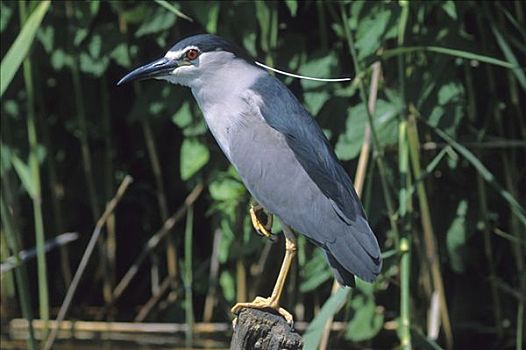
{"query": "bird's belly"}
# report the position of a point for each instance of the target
(274, 176)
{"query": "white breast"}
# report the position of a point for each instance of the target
(225, 98)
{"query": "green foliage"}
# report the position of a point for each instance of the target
(313, 333)
(385, 122)
(367, 319)
(456, 238)
(453, 71)
(194, 155)
(18, 51)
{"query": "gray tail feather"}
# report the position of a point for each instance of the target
(356, 252)
(344, 277)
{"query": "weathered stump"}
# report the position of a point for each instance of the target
(262, 330)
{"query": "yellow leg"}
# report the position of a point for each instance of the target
(272, 302)
(259, 226)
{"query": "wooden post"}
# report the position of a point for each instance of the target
(262, 330)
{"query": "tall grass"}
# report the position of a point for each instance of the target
(36, 191)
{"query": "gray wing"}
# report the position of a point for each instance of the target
(298, 177)
(311, 147)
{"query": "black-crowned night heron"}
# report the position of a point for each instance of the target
(279, 151)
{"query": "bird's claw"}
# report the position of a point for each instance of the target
(264, 303)
(258, 216)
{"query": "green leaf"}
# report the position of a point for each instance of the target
(456, 238)
(207, 13)
(263, 15)
(293, 7)
(517, 70)
(20, 48)
(183, 117)
(366, 321)
(161, 20)
(227, 283)
(174, 9)
(227, 189)
(59, 59)
(194, 155)
(5, 16)
(226, 240)
(93, 65)
(315, 92)
(371, 29)
(385, 122)
(46, 36)
(315, 272)
(24, 173)
(449, 7)
(5, 159)
(448, 51)
(314, 331)
(121, 55)
(449, 111)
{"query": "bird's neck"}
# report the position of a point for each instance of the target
(219, 95)
(223, 86)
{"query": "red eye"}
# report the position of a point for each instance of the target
(192, 54)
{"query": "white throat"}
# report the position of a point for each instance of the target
(221, 90)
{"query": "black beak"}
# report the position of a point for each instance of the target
(154, 69)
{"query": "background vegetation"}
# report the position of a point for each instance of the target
(443, 187)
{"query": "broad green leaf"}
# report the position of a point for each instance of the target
(5, 16)
(317, 93)
(315, 272)
(314, 331)
(160, 20)
(293, 7)
(456, 238)
(366, 322)
(226, 240)
(46, 36)
(59, 59)
(20, 48)
(371, 29)
(226, 189)
(385, 122)
(183, 117)
(84, 13)
(449, 7)
(24, 173)
(121, 55)
(228, 285)
(449, 111)
(187, 120)
(263, 15)
(194, 155)
(93, 65)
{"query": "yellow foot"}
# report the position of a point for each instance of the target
(264, 303)
(258, 216)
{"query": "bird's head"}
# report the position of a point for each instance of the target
(191, 61)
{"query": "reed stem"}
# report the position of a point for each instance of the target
(36, 195)
(188, 279)
(20, 273)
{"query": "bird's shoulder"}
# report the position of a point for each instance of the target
(278, 106)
